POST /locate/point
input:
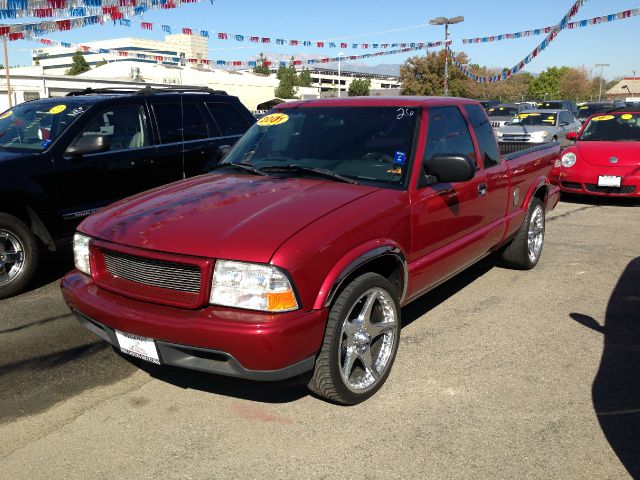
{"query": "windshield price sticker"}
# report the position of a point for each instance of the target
(602, 118)
(523, 115)
(57, 109)
(626, 116)
(6, 114)
(273, 119)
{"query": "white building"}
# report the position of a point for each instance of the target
(57, 60)
(327, 80)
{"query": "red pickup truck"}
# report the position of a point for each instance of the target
(297, 253)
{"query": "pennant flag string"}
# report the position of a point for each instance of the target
(231, 63)
(539, 49)
(625, 14)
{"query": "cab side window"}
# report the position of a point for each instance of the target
(123, 127)
(484, 133)
(180, 122)
(229, 120)
(448, 134)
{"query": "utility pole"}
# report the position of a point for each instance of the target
(6, 70)
(446, 22)
(601, 65)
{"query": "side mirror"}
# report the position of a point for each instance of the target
(573, 136)
(450, 168)
(88, 144)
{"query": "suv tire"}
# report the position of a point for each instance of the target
(18, 255)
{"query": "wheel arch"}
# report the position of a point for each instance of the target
(387, 260)
(28, 215)
(540, 190)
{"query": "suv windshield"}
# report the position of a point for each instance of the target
(547, 119)
(35, 125)
(585, 111)
(365, 144)
(613, 127)
(503, 111)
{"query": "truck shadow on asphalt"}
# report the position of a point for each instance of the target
(616, 388)
(296, 388)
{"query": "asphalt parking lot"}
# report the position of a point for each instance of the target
(500, 374)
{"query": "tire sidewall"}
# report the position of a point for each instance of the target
(21, 231)
(340, 309)
(535, 202)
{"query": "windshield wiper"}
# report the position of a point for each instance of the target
(320, 172)
(239, 166)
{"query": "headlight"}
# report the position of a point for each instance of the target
(499, 134)
(81, 253)
(252, 286)
(569, 160)
(540, 134)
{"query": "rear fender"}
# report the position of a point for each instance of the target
(355, 259)
(535, 190)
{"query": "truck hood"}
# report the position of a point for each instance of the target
(7, 155)
(237, 217)
(600, 153)
(525, 129)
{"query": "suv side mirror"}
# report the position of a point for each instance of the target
(450, 168)
(573, 136)
(88, 144)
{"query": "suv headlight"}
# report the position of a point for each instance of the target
(499, 134)
(252, 286)
(81, 253)
(541, 134)
(569, 160)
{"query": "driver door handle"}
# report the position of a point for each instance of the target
(482, 189)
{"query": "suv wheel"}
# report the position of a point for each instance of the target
(360, 343)
(18, 255)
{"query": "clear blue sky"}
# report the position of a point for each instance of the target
(615, 43)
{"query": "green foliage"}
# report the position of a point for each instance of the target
(359, 87)
(304, 79)
(425, 75)
(288, 82)
(101, 63)
(36, 62)
(261, 67)
(547, 84)
(79, 64)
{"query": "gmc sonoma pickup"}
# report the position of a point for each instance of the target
(296, 254)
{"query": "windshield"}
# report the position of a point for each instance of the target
(545, 119)
(503, 111)
(552, 105)
(35, 125)
(613, 128)
(585, 111)
(365, 144)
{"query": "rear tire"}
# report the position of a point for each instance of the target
(523, 252)
(360, 342)
(18, 255)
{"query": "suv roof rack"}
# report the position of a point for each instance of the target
(145, 90)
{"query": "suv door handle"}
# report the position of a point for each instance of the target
(482, 189)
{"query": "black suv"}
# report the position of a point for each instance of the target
(63, 158)
(559, 105)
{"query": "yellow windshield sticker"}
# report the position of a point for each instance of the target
(602, 118)
(491, 109)
(627, 116)
(523, 115)
(6, 114)
(395, 171)
(501, 108)
(273, 119)
(551, 117)
(584, 108)
(57, 109)
(533, 114)
(549, 121)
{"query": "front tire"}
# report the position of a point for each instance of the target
(360, 343)
(18, 255)
(523, 252)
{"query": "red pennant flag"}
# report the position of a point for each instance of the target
(146, 25)
(187, 31)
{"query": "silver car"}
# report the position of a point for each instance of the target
(539, 126)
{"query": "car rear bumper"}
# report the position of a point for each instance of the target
(225, 341)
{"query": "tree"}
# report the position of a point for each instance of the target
(260, 67)
(304, 79)
(425, 75)
(547, 84)
(288, 81)
(101, 63)
(79, 64)
(576, 84)
(36, 62)
(359, 87)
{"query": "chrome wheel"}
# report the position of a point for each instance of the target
(11, 257)
(536, 233)
(368, 340)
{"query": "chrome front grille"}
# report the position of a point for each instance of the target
(155, 273)
(515, 138)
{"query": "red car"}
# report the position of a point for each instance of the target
(605, 158)
(297, 253)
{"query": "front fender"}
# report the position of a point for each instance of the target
(354, 259)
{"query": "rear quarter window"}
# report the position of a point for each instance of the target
(484, 133)
(229, 120)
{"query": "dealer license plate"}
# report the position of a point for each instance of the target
(140, 347)
(609, 181)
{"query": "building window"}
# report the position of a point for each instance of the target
(29, 96)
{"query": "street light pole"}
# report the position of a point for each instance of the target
(446, 22)
(601, 65)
